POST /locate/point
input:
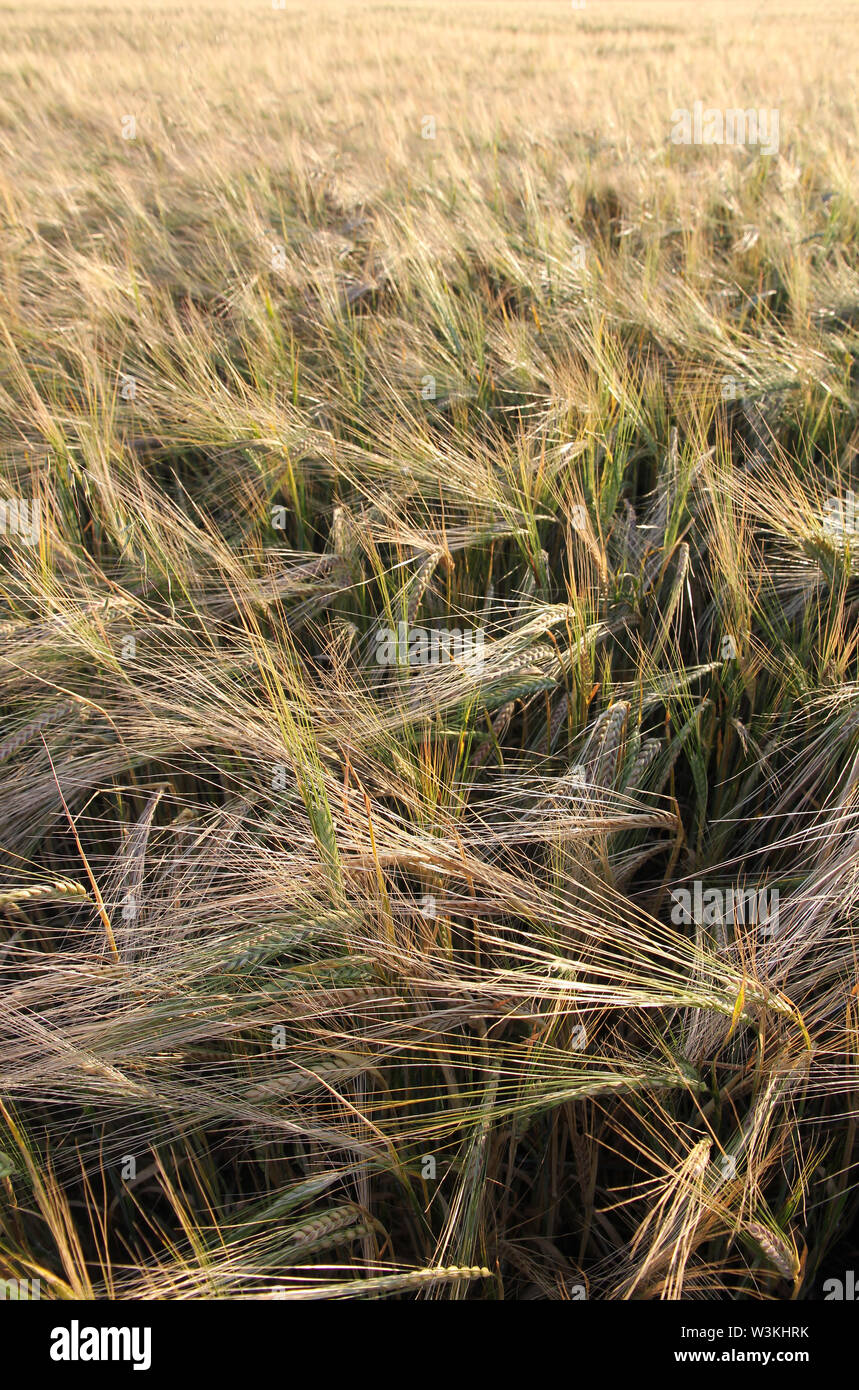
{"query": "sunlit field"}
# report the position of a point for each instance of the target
(429, 612)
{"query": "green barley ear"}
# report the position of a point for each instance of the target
(345, 541)
(56, 891)
(558, 719)
(612, 735)
(650, 751)
(63, 712)
(499, 725)
(775, 1247)
(311, 782)
(418, 586)
(374, 1285)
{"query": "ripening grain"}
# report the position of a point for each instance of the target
(429, 597)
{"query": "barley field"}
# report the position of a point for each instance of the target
(429, 649)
